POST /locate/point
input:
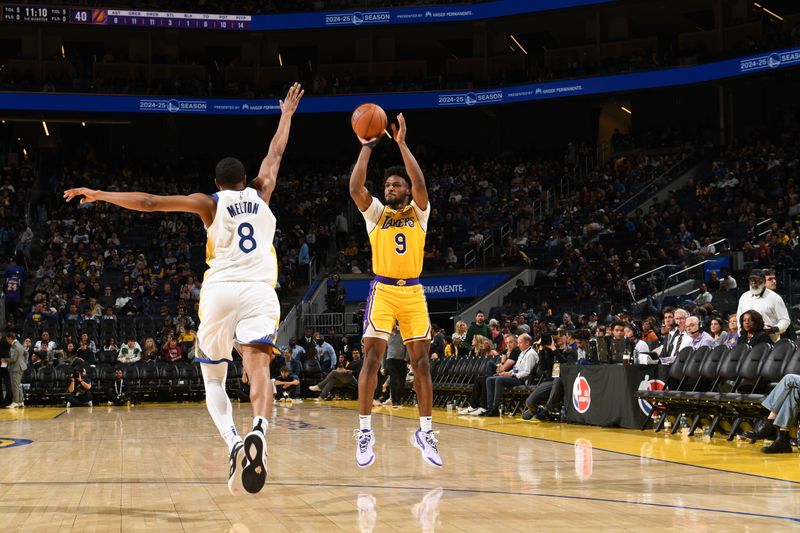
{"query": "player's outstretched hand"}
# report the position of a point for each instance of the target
(399, 133)
(89, 195)
(289, 104)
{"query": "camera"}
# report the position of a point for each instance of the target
(76, 374)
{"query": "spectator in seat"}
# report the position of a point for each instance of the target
(703, 296)
(69, 355)
(85, 353)
(477, 405)
(150, 350)
(107, 299)
(335, 295)
(88, 316)
(286, 385)
(325, 353)
(451, 259)
(481, 346)
(130, 352)
(187, 336)
(73, 314)
(171, 351)
(496, 334)
(751, 329)
(111, 345)
(479, 327)
(345, 347)
(344, 377)
(649, 334)
(80, 389)
(548, 396)
(679, 337)
(698, 337)
(120, 392)
(90, 344)
(45, 348)
(718, 330)
(784, 407)
(713, 281)
(727, 282)
(733, 331)
(495, 385)
(459, 338)
(633, 335)
(295, 367)
(298, 352)
(306, 342)
(767, 303)
(437, 342)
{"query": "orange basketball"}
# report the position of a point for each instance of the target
(368, 121)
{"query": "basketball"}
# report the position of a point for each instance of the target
(368, 121)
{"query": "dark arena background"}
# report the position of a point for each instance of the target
(611, 264)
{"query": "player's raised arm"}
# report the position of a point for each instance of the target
(268, 172)
(418, 189)
(199, 204)
(358, 179)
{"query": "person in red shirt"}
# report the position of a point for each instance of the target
(171, 350)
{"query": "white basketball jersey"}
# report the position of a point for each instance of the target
(239, 246)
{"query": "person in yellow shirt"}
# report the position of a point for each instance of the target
(397, 233)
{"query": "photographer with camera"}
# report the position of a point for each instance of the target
(80, 393)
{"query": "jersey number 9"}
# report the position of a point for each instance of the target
(400, 241)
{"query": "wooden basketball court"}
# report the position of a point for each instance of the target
(164, 468)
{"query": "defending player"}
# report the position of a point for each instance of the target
(238, 303)
(397, 235)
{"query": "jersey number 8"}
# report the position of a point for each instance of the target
(246, 241)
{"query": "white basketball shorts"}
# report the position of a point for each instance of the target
(235, 312)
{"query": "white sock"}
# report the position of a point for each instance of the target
(260, 423)
(426, 423)
(365, 421)
(218, 403)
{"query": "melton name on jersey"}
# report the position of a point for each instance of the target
(397, 238)
(239, 245)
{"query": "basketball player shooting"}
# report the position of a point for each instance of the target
(397, 235)
(238, 304)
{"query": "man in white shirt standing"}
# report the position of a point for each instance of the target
(766, 302)
(495, 385)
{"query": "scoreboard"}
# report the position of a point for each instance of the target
(28, 13)
(124, 17)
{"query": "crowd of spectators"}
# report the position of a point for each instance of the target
(97, 283)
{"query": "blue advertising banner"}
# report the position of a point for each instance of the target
(423, 100)
(715, 265)
(153, 19)
(412, 15)
(464, 286)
